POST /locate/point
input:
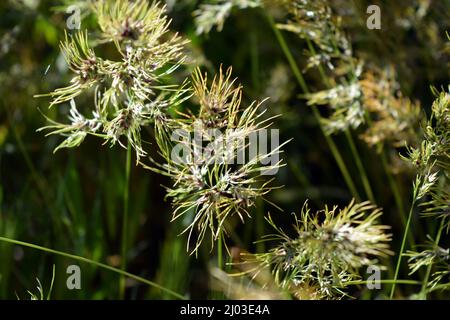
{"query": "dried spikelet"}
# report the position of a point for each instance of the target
(308, 290)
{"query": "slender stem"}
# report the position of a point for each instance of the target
(423, 291)
(95, 263)
(124, 249)
(219, 252)
(402, 247)
(301, 81)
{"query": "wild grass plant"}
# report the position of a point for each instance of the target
(356, 130)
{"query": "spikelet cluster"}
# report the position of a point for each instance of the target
(328, 248)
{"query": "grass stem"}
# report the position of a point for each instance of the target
(124, 242)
